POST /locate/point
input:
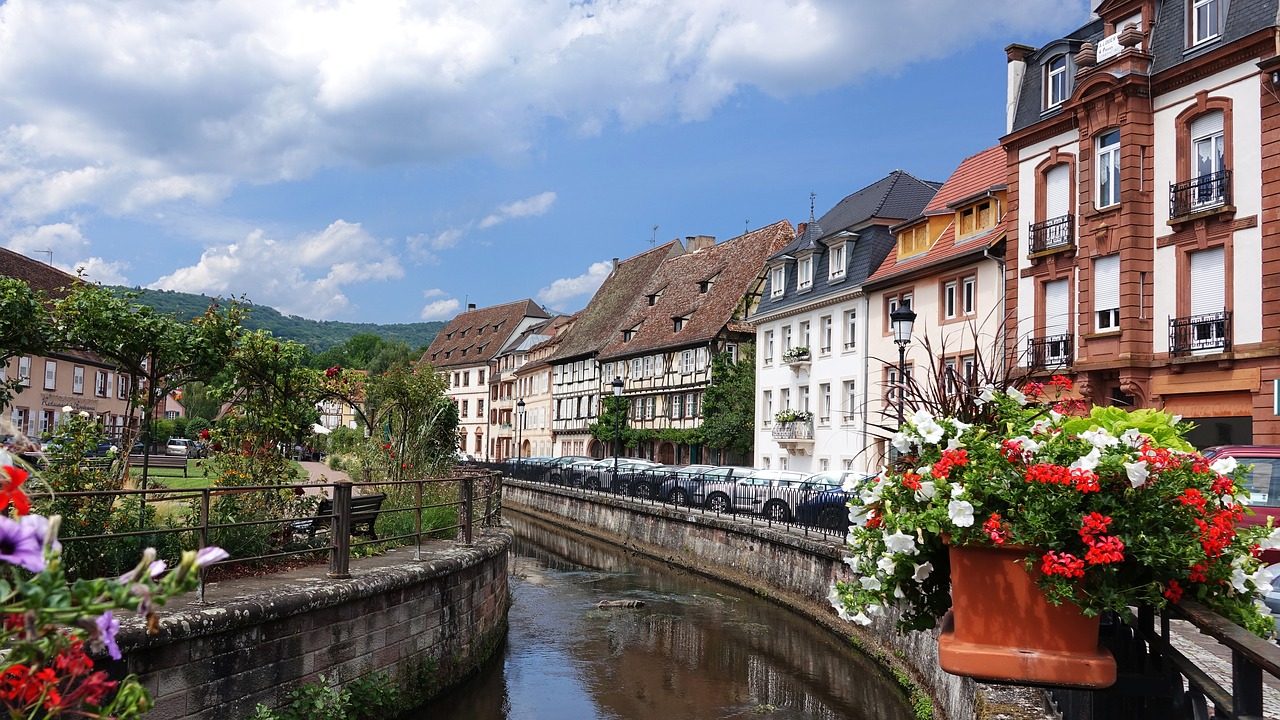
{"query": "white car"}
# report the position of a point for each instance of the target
(771, 493)
(179, 446)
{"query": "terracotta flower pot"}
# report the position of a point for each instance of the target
(1002, 627)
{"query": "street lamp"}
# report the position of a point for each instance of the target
(519, 422)
(617, 411)
(902, 319)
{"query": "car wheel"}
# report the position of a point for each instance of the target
(719, 502)
(831, 518)
(593, 483)
(776, 510)
(678, 497)
(575, 482)
(643, 491)
(619, 488)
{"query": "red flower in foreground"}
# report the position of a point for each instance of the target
(1174, 593)
(1061, 381)
(996, 529)
(1064, 564)
(1105, 550)
(11, 491)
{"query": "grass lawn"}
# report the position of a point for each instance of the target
(172, 477)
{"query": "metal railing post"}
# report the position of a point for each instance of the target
(340, 532)
(204, 537)
(417, 520)
(466, 510)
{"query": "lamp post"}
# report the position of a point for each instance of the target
(902, 319)
(519, 423)
(617, 410)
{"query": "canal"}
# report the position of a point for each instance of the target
(696, 649)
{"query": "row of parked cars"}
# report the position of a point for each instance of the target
(817, 499)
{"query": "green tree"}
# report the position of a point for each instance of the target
(613, 415)
(728, 405)
(25, 329)
(198, 402)
(270, 393)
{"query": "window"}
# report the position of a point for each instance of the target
(678, 323)
(479, 440)
(701, 359)
(949, 300)
(122, 387)
(77, 380)
(913, 240)
(968, 295)
(850, 401)
(1057, 324)
(691, 404)
(627, 335)
(1108, 169)
(466, 378)
(648, 366)
(824, 400)
(1208, 298)
(824, 464)
(100, 383)
(732, 350)
(480, 379)
(677, 406)
(835, 262)
(465, 405)
(949, 374)
(1206, 20)
(851, 329)
(969, 369)
(825, 333)
(1208, 160)
(637, 368)
(24, 371)
(1106, 293)
(804, 398)
(784, 399)
(804, 280)
(778, 281)
(479, 408)
(766, 404)
(46, 421)
(1056, 82)
(786, 339)
(50, 374)
(768, 347)
(686, 362)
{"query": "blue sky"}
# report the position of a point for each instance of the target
(390, 162)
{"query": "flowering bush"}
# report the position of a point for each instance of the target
(50, 625)
(1113, 508)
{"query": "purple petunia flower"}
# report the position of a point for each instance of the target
(210, 555)
(108, 626)
(21, 544)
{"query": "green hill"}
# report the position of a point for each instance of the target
(318, 335)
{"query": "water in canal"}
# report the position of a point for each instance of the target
(696, 650)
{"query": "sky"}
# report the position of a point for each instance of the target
(391, 161)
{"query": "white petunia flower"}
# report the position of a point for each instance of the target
(83, 413)
(886, 564)
(1137, 472)
(1271, 541)
(926, 491)
(920, 417)
(1055, 417)
(1041, 426)
(900, 542)
(931, 432)
(960, 512)
(870, 582)
(956, 490)
(1262, 579)
(897, 593)
(1238, 578)
(1100, 438)
(1016, 395)
(960, 426)
(922, 572)
(1224, 465)
(1087, 462)
(1132, 437)
(861, 619)
(858, 515)
(954, 444)
(67, 409)
(902, 442)
(985, 395)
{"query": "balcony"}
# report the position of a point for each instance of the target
(1200, 333)
(1050, 353)
(1053, 234)
(1198, 195)
(797, 358)
(794, 436)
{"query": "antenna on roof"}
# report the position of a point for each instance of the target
(46, 251)
(812, 196)
(746, 226)
(653, 242)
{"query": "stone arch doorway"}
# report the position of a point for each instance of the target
(595, 449)
(667, 453)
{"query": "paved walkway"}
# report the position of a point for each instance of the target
(1215, 659)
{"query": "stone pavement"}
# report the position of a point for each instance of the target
(1215, 659)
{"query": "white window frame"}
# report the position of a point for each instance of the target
(778, 281)
(732, 350)
(786, 339)
(768, 347)
(1106, 293)
(969, 295)
(825, 333)
(1211, 27)
(24, 371)
(50, 374)
(77, 380)
(836, 262)
(824, 408)
(803, 336)
(1057, 86)
(851, 329)
(804, 273)
(1107, 170)
(949, 291)
(850, 388)
(686, 362)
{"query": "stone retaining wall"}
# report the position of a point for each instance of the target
(427, 624)
(790, 568)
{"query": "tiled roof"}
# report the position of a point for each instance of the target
(620, 293)
(475, 337)
(976, 174)
(46, 278)
(733, 267)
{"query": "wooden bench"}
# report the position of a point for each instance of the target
(172, 462)
(364, 515)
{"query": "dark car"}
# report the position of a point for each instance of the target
(828, 506)
(683, 484)
(558, 468)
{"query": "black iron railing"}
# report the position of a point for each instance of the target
(1053, 233)
(1054, 351)
(1198, 194)
(1211, 331)
(793, 430)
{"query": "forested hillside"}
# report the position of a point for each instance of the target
(318, 335)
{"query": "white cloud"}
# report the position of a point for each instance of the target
(126, 105)
(66, 248)
(439, 309)
(303, 276)
(565, 288)
(108, 273)
(528, 207)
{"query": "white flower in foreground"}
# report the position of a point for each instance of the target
(956, 490)
(858, 515)
(986, 395)
(886, 564)
(1055, 417)
(67, 409)
(1262, 580)
(926, 491)
(1137, 473)
(1238, 578)
(83, 413)
(897, 593)
(837, 602)
(920, 417)
(902, 442)
(861, 619)
(960, 512)
(900, 542)
(1099, 438)
(1224, 465)
(1087, 462)
(1041, 426)
(1016, 395)
(930, 431)
(870, 582)
(1132, 437)
(1271, 541)
(954, 444)
(922, 572)
(959, 425)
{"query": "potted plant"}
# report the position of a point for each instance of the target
(786, 416)
(796, 354)
(1033, 509)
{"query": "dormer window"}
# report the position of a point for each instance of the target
(778, 281)
(976, 218)
(836, 262)
(804, 273)
(628, 335)
(913, 240)
(679, 323)
(653, 299)
(1206, 20)
(1057, 81)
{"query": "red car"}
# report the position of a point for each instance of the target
(1263, 482)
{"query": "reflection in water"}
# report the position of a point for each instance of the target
(696, 649)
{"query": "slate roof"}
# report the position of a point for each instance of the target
(475, 336)
(869, 211)
(1031, 96)
(618, 296)
(734, 267)
(984, 171)
(39, 276)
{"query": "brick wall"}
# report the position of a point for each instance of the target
(426, 623)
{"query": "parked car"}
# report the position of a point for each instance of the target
(762, 492)
(624, 480)
(1262, 481)
(558, 467)
(682, 484)
(828, 506)
(178, 446)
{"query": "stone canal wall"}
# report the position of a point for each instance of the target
(425, 624)
(789, 567)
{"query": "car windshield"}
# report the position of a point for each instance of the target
(1262, 480)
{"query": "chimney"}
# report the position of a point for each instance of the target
(1017, 55)
(615, 263)
(471, 306)
(694, 243)
(801, 228)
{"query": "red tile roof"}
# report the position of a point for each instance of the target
(977, 173)
(46, 278)
(734, 267)
(475, 336)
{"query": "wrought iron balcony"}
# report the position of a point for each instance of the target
(1197, 333)
(1199, 194)
(1053, 233)
(1054, 351)
(793, 430)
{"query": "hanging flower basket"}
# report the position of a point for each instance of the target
(1003, 628)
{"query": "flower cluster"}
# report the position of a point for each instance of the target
(1113, 508)
(50, 625)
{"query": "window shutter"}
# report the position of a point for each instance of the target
(1056, 321)
(1106, 283)
(1208, 124)
(1208, 281)
(1057, 192)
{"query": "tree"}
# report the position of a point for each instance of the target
(728, 405)
(199, 402)
(25, 329)
(613, 415)
(271, 393)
